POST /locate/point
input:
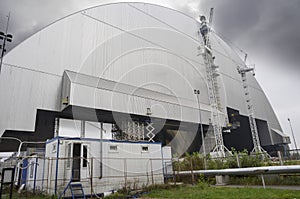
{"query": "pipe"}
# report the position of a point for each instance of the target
(35, 172)
(56, 172)
(43, 178)
(101, 152)
(247, 171)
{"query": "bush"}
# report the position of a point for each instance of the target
(195, 161)
(203, 182)
(269, 180)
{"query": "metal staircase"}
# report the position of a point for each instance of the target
(77, 190)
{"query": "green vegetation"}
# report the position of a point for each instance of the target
(195, 161)
(269, 180)
(205, 191)
(221, 192)
(203, 188)
(242, 159)
(28, 195)
(25, 195)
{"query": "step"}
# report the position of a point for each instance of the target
(77, 190)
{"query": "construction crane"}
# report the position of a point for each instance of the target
(254, 132)
(213, 87)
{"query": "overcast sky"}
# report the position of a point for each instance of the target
(268, 30)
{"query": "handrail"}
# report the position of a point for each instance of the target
(66, 188)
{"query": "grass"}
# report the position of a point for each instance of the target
(200, 191)
(27, 195)
(18, 196)
(223, 192)
(269, 180)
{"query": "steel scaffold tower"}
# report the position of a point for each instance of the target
(254, 132)
(213, 87)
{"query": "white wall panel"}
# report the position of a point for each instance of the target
(158, 54)
(22, 93)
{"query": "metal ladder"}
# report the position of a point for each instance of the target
(255, 138)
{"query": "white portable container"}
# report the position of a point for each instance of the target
(103, 165)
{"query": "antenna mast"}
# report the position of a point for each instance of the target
(6, 38)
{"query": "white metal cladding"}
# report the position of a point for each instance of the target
(91, 92)
(143, 45)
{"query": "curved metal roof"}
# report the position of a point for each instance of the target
(143, 45)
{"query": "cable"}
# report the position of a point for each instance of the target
(233, 46)
(28, 165)
(149, 41)
(30, 69)
(140, 37)
(164, 23)
(229, 42)
(190, 35)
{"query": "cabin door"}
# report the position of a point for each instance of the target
(84, 162)
(80, 161)
(76, 162)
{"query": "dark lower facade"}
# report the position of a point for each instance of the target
(180, 135)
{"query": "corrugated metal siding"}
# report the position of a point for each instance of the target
(120, 43)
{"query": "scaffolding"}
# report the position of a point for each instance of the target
(213, 87)
(253, 127)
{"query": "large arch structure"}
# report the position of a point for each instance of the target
(116, 60)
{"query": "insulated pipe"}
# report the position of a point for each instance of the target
(247, 171)
(26, 142)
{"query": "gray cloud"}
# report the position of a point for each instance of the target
(269, 31)
(28, 17)
(271, 27)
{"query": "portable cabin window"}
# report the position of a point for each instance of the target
(113, 148)
(54, 148)
(69, 149)
(31, 170)
(145, 149)
(85, 155)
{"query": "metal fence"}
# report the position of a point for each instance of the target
(192, 163)
(97, 175)
(197, 161)
(101, 174)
